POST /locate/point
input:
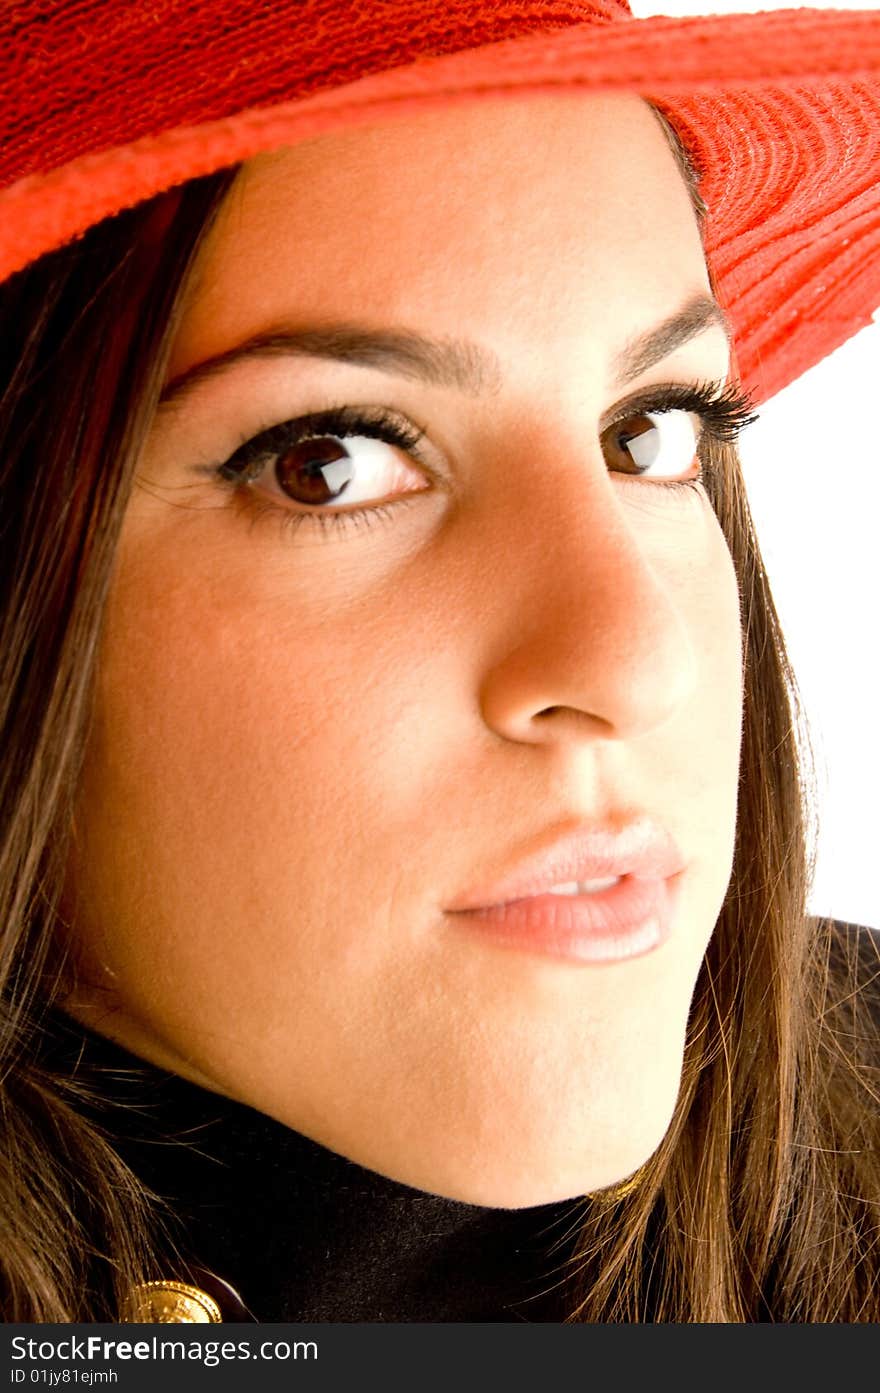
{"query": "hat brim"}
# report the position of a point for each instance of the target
(780, 110)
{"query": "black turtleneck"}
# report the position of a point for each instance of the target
(302, 1233)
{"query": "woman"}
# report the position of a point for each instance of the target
(378, 557)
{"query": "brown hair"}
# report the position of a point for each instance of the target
(86, 331)
(762, 1199)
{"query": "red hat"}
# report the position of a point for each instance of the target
(106, 104)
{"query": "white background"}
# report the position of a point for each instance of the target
(812, 468)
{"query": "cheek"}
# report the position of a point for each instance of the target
(704, 762)
(253, 790)
(721, 693)
(231, 735)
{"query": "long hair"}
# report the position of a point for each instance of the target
(763, 1200)
(85, 337)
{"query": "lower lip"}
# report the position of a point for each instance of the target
(627, 920)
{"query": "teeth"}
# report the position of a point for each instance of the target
(584, 887)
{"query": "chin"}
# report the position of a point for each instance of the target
(528, 1191)
(545, 1170)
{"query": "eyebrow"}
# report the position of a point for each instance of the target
(457, 363)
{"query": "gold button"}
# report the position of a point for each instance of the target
(170, 1303)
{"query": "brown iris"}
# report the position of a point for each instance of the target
(314, 471)
(624, 434)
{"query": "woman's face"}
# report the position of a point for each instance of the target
(310, 741)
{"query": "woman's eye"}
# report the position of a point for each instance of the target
(324, 470)
(661, 443)
(327, 461)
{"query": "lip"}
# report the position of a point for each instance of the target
(628, 920)
(639, 850)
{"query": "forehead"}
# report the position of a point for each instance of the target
(560, 220)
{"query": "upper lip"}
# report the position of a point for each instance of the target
(583, 852)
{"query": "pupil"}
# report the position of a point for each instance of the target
(314, 471)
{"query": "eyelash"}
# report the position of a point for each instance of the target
(723, 415)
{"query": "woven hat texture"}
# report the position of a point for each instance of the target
(107, 104)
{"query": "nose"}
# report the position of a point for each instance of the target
(589, 640)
